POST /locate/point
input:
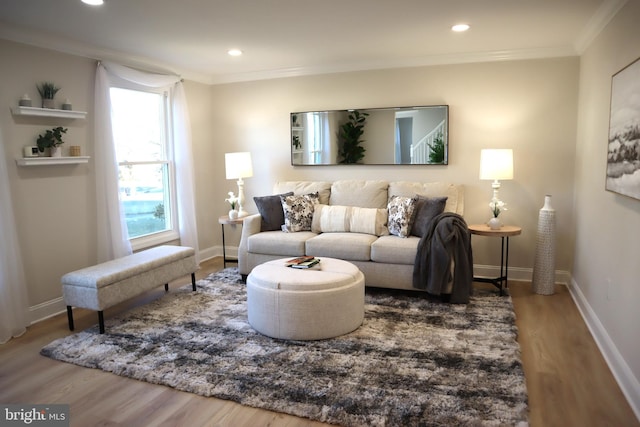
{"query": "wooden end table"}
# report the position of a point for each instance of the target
(225, 220)
(503, 232)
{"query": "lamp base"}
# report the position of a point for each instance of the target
(242, 213)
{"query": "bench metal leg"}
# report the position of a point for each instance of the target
(166, 287)
(70, 317)
(101, 321)
(193, 281)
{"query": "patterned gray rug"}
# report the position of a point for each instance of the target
(414, 361)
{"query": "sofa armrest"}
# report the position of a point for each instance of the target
(250, 226)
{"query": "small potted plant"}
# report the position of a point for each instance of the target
(233, 201)
(47, 91)
(496, 207)
(52, 139)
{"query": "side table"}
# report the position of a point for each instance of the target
(503, 232)
(225, 220)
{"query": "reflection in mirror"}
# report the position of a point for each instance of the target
(378, 136)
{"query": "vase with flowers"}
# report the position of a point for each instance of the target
(496, 207)
(233, 201)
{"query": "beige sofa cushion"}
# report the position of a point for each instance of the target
(332, 219)
(279, 243)
(395, 250)
(346, 246)
(364, 194)
(454, 192)
(300, 188)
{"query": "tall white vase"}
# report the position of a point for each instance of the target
(544, 266)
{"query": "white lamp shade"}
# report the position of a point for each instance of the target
(238, 165)
(496, 164)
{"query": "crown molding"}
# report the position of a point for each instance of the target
(605, 13)
(69, 46)
(73, 47)
(431, 60)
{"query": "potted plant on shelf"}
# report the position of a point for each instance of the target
(47, 91)
(52, 139)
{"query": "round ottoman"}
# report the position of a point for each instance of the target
(305, 304)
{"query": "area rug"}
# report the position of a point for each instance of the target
(414, 361)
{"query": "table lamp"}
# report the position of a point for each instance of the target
(496, 165)
(238, 166)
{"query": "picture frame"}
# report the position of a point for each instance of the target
(623, 153)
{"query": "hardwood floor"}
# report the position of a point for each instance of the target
(568, 381)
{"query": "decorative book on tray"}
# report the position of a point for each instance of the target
(302, 262)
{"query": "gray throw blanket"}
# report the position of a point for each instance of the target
(446, 239)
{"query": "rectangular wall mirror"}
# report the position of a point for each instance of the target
(376, 136)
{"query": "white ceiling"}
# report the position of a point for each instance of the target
(298, 37)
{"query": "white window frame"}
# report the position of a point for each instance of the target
(171, 234)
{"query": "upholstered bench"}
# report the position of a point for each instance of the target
(305, 304)
(105, 285)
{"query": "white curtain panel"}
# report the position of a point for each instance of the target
(113, 238)
(14, 304)
(182, 152)
(183, 156)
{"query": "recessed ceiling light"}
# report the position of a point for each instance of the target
(234, 52)
(459, 28)
(93, 2)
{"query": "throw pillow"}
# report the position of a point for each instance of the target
(270, 209)
(335, 219)
(427, 208)
(401, 210)
(298, 212)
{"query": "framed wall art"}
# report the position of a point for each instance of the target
(623, 156)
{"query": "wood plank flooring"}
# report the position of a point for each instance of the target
(568, 381)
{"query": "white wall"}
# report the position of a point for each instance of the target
(606, 270)
(530, 106)
(54, 205)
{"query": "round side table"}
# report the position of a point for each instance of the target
(503, 232)
(225, 220)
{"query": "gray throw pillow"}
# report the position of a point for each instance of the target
(270, 208)
(427, 208)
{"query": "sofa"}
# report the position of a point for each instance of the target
(376, 225)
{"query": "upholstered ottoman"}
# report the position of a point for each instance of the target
(104, 285)
(305, 304)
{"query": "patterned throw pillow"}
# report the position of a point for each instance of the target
(427, 208)
(400, 215)
(298, 212)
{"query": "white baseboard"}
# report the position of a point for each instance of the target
(47, 309)
(628, 383)
(214, 251)
(517, 273)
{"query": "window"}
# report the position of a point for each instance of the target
(143, 150)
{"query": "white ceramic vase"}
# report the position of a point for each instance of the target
(494, 223)
(56, 151)
(544, 266)
(233, 214)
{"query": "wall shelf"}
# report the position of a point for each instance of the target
(48, 112)
(47, 161)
